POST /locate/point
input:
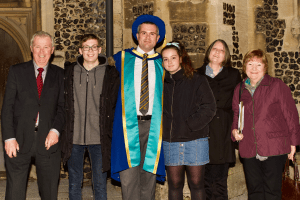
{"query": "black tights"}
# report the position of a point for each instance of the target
(195, 177)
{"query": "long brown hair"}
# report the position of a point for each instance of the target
(186, 64)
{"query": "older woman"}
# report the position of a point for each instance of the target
(271, 126)
(222, 79)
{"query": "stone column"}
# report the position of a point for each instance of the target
(47, 15)
(47, 19)
(260, 41)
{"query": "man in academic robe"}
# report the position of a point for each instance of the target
(137, 155)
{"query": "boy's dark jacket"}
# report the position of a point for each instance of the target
(108, 100)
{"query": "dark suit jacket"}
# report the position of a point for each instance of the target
(21, 105)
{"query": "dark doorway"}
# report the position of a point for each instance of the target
(10, 54)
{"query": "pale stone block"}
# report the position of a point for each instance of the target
(225, 33)
(212, 33)
(286, 8)
(211, 13)
(197, 1)
(59, 58)
(290, 42)
(47, 16)
(187, 11)
(118, 43)
(117, 49)
(242, 20)
(260, 42)
(118, 30)
(127, 39)
(118, 4)
(117, 23)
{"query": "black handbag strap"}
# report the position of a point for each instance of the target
(240, 93)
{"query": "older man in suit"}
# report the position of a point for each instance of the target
(32, 119)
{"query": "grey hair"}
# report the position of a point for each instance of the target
(42, 34)
(139, 27)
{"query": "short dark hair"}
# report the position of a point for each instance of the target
(147, 22)
(87, 37)
(227, 60)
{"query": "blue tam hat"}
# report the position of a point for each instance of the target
(149, 18)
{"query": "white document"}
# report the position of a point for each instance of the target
(241, 117)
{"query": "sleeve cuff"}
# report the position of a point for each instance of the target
(56, 131)
(10, 139)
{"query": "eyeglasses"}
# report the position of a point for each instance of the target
(87, 48)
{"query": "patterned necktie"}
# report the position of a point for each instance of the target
(39, 81)
(144, 99)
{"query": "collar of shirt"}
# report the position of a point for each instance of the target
(141, 51)
(250, 87)
(210, 72)
(36, 69)
(248, 82)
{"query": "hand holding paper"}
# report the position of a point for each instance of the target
(237, 133)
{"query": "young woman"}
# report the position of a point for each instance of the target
(189, 106)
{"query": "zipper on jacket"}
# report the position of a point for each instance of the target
(172, 106)
(253, 127)
(86, 95)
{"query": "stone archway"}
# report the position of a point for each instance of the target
(10, 54)
(21, 39)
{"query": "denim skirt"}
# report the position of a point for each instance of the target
(191, 153)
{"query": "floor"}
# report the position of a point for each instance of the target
(113, 191)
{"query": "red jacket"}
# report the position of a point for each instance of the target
(271, 123)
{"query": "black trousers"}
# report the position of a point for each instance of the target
(47, 169)
(216, 181)
(264, 178)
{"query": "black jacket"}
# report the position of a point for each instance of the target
(21, 104)
(189, 106)
(221, 147)
(108, 100)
